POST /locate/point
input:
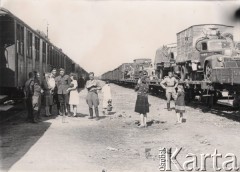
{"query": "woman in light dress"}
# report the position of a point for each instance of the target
(107, 97)
(74, 96)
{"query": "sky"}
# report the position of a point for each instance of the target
(101, 35)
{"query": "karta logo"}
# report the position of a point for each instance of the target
(193, 162)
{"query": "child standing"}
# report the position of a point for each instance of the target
(107, 97)
(180, 103)
(142, 105)
(74, 96)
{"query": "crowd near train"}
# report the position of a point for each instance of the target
(23, 50)
(205, 59)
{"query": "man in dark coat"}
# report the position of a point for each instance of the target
(54, 92)
(63, 83)
(28, 92)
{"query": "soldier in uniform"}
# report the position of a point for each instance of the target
(169, 83)
(92, 100)
(63, 83)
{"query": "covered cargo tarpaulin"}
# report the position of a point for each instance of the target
(165, 54)
(186, 39)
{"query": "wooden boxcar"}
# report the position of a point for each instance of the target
(23, 50)
(107, 76)
(125, 71)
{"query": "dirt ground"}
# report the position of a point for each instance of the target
(115, 143)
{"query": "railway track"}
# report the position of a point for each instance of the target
(223, 106)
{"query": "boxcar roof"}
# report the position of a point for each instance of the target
(204, 25)
(4, 11)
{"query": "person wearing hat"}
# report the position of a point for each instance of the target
(169, 83)
(142, 105)
(63, 83)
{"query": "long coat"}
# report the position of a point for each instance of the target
(36, 98)
(142, 105)
(48, 100)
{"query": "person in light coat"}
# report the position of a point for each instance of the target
(74, 95)
(107, 97)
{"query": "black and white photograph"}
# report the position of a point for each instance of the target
(119, 85)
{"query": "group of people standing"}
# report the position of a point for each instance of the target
(170, 84)
(62, 90)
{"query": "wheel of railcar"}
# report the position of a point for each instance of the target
(208, 72)
(183, 73)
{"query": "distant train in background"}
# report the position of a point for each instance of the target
(22, 50)
(130, 72)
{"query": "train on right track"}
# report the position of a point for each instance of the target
(205, 59)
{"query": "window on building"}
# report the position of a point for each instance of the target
(44, 51)
(37, 48)
(62, 61)
(20, 39)
(49, 54)
(204, 46)
(29, 44)
(53, 58)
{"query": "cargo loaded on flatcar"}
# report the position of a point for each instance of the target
(205, 59)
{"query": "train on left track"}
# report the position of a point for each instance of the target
(23, 49)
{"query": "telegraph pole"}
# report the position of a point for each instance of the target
(47, 29)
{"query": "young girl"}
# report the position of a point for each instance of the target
(107, 97)
(74, 96)
(142, 105)
(180, 103)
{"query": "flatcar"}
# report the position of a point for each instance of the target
(22, 50)
(206, 59)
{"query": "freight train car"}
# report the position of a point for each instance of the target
(128, 73)
(205, 59)
(124, 71)
(165, 59)
(143, 64)
(207, 62)
(198, 47)
(107, 76)
(22, 50)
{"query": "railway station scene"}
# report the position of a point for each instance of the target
(119, 86)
